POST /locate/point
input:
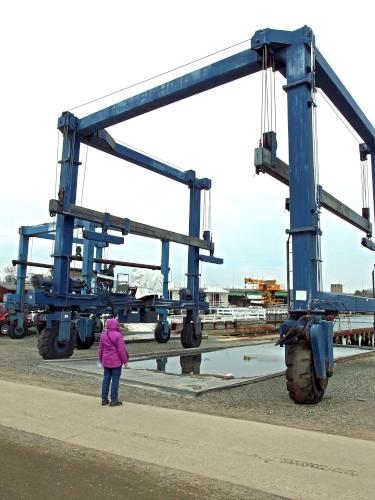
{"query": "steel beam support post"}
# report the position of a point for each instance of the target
(373, 178)
(165, 273)
(193, 256)
(23, 250)
(67, 195)
(88, 259)
(304, 216)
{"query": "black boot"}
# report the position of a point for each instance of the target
(116, 402)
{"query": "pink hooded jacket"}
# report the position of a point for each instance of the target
(112, 350)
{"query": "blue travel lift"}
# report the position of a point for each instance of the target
(70, 309)
(308, 333)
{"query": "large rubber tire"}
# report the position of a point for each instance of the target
(86, 344)
(188, 337)
(302, 384)
(15, 333)
(160, 336)
(50, 348)
(4, 328)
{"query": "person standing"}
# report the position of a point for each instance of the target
(112, 355)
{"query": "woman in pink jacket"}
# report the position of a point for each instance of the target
(112, 355)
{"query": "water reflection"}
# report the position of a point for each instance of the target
(245, 361)
(161, 363)
(191, 364)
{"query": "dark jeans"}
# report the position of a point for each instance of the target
(114, 375)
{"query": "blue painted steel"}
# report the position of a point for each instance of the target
(165, 267)
(107, 238)
(99, 254)
(65, 326)
(193, 255)
(23, 250)
(329, 82)
(104, 142)
(88, 258)
(163, 314)
(210, 259)
(321, 339)
(67, 195)
(304, 213)
(293, 53)
(373, 178)
(84, 327)
(216, 74)
(38, 230)
(342, 303)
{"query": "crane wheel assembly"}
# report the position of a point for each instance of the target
(302, 383)
(162, 334)
(16, 332)
(51, 347)
(189, 338)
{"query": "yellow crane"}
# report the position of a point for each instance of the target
(268, 289)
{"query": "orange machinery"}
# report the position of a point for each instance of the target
(268, 289)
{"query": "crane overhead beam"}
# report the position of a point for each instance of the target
(237, 66)
(103, 141)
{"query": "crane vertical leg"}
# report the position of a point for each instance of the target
(58, 340)
(191, 335)
(17, 328)
(307, 339)
(163, 330)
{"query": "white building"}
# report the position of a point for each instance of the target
(216, 296)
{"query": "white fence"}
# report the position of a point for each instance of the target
(227, 314)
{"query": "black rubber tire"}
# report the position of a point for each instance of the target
(4, 328)
(15, 333)
(302, 384)
(97, 326)
(160, 336)
(86, 344)
(50, 348)
(188, 337)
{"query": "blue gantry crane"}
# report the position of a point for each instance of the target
(308, 333)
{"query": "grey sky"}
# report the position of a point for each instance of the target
(59, 54)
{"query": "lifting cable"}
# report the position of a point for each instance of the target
(161, 74)
(365, 185)
(314, 118)
(363, 160)
(268, 100)
(56, 193)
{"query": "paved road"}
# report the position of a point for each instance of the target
(289, 462)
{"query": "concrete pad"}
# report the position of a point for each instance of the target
(289, 462)
(266, 360)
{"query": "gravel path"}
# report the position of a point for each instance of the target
(347, 409)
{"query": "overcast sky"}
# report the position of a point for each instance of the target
(56, 55)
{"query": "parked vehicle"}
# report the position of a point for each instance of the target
(4, 323)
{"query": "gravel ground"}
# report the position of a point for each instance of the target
(347, 409)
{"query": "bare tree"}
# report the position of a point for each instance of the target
(10, 274)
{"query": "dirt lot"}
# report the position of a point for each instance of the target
(38, 468)
(347, 409)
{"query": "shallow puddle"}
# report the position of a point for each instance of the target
(249, 361)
